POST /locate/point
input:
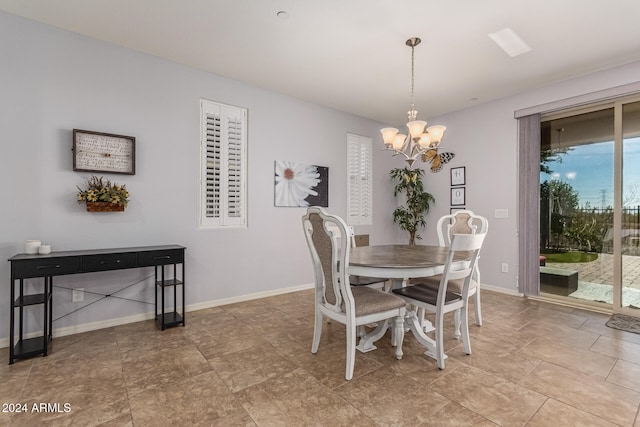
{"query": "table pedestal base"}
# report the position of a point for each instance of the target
(366, 342)
(419, 332)
(412, 323)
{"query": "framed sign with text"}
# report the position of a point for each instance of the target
(103, 152)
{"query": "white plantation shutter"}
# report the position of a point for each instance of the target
(224, 143)
(359, 184)
(212, 165)
(235, 169)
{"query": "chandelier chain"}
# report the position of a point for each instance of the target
(412, 79)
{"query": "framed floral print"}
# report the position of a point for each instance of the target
(300, 184)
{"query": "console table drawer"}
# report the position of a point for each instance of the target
(105, 262)
(46, 267)
(169, 256)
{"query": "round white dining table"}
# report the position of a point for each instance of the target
(400, 263)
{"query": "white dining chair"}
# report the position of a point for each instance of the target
(355, 280)
(459, 222)
(372, 282)
(335, 298)
(441, 300)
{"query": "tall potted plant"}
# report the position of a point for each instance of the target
(418, 202)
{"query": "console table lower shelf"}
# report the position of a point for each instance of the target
(168, 277)
(172, 318)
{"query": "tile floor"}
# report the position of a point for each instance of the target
(249, 364)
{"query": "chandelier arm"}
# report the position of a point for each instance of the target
(416, 149)
(407, 143)
(398, 152)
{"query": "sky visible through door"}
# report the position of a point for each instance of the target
(588, 169)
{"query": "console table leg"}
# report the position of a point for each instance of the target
(184, 313)
(12, 322)
(162, 298)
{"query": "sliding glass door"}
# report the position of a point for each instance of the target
(630, 220)
(590, 205)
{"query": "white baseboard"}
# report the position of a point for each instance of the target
(92, 326)
(248, 297)
(501, 290)
(86, 327)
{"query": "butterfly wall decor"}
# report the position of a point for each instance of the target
(436, 159)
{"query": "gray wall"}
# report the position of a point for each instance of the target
(54, 81)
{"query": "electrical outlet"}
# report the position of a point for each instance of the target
(77, 295)
(505, 267)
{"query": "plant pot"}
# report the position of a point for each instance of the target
(104, 207)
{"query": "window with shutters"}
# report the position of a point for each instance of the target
(359, 184)
(223, 180)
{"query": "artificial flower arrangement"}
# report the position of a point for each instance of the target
(104, 192)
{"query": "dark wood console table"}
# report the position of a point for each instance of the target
(24, 266)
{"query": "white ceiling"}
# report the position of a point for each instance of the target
(351, 54)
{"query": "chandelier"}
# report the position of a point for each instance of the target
(418, 141)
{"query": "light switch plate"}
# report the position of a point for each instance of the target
(501, 213)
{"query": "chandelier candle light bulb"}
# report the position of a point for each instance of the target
(416, 128)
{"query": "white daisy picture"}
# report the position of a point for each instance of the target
(299, 184)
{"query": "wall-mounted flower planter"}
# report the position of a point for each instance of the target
(104, 207)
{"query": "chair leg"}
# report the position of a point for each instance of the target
(393, 334)
(351, 350)
(456, 318)
(465, 328)
(439, 338)
(317, 331)
(478, 311)
(476, 304)
(398, 335)
(421, 318)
